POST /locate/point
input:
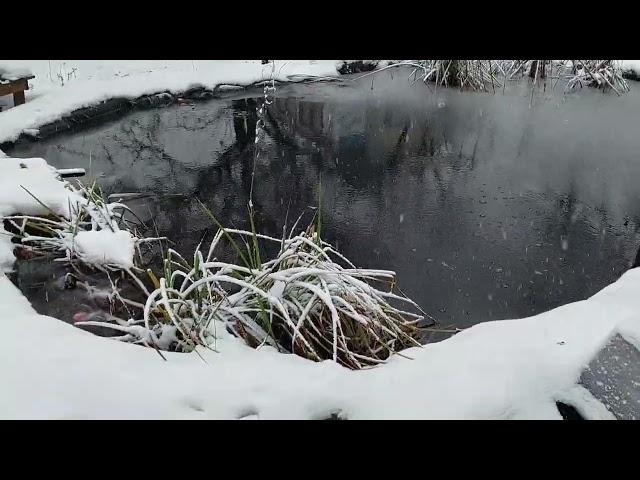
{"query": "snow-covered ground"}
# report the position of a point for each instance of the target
(50, 369)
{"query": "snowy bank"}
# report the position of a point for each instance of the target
(497, 370)
(103, 247)
(63, 87)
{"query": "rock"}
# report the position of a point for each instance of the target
(357, 66)
(613, 378)
(631, 74)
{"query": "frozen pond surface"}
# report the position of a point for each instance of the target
(485, 208)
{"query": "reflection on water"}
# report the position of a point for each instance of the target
(487, 209)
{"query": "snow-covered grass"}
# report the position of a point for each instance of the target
(603, 74)
(490, 75)
(303, 301)
(480, 75)
(104, 247)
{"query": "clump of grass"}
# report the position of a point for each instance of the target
(489, 75)
(480, 75)
(308, 300)
(602, 74)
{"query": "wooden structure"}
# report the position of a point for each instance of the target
(15, 87)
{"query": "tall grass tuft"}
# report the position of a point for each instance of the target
(308, 300)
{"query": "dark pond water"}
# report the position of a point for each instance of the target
(486, 208)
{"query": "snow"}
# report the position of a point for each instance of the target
(60, 87)
(633, 65)
(13, 73)
(104, 247)
(71, 172)
(508, 369)
(39, 178)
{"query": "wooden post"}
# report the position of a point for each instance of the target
(17, 88)
(18, 98)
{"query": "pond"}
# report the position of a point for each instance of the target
(486, 208)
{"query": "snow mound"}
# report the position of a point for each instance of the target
(19, 177)
(9, 74)
(104, 247)
(631, 65)
(23, 175)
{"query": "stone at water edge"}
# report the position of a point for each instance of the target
(613, 378)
